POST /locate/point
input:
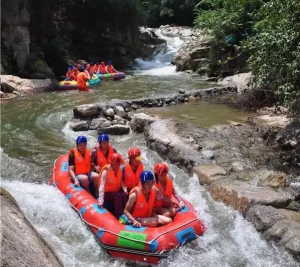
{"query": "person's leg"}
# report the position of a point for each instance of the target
(163, 211)
(119, 199)
(124, 197)
(148, 222)
(84, 181)
(171, 209)
(94, 179)
(163, 220)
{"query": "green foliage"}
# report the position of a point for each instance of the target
(160, 12)
(267, 32)
(275, 49)
(223, 17)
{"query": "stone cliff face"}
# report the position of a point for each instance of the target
(15, 33)
(21, 244)
(40, 38)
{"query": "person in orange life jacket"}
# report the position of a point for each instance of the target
(82, 78)
(88, 71)
(165, 184)
(110, 68)
(95, 67)
(74, 74)
(80, 165)
(132, 170)
(102, 153)
(69, 73)
(102, 68)
(139, 208)
(111, 186)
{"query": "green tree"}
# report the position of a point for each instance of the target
(275, 49)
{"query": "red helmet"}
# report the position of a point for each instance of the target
(161, 168)
(134, 153)
(116, 158)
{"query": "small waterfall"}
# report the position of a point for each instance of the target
(160, 64)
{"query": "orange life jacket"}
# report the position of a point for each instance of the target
(132, 179)
(69, 74)
(74, 75)
(91, 71)
(113, 180)
(81, 79)
(95, 69)
(82, 164)
(101, 159)
(166, 192)
(143, 208)
(110, 69)
(102, 69)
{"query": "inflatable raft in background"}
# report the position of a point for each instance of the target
(72, 85)
(111, 76)
(145, 244)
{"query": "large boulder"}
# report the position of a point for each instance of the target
(96, 123)
(182, 60)
(119, 111)
(88, 110)
(264, 217)
(140, 120)
(242, 195)
(150, 43)
(10, 83)
(209, 173)
(161, 136)
(286, 233)
(273, 179)
(114, 129)
(289, 137)
(21, 244)
(78, 126)
(241, 81)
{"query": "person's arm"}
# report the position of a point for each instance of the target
(101, 188)
(180, 202)
(160, 196)
(94, 161)
(124, 187)
(72, 169)
(129, 206)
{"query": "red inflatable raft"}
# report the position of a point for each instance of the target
(143, 244)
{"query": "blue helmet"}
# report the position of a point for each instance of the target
(103, 138)
(109, 62)
(81, 139)
(146, 176)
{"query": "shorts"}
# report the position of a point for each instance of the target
(89, 176)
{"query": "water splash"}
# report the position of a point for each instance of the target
(160, 65)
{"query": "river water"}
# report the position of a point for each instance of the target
(34, 131)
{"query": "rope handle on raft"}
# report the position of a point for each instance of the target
(115, 234)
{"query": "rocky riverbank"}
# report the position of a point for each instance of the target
(21, 244)
(234, 161)
(237, 168)
(13, 86)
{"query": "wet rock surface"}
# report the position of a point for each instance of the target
(13, 86)
(287, 234)
(21, 244)
(113, 117)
